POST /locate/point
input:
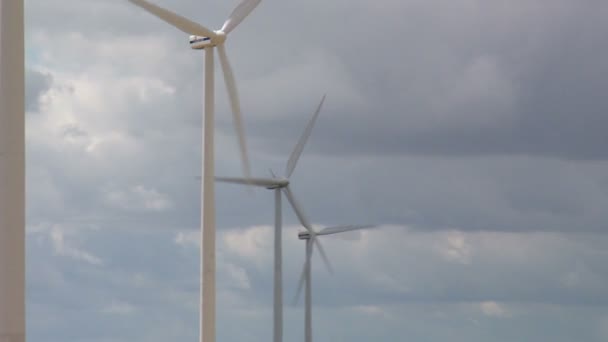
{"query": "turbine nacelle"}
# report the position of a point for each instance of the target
(304, 235)
(199, 43)
(279, 183)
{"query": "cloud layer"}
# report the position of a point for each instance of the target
(472, 133)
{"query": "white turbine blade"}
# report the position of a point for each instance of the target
(296, 298)
(238, 14)
(323, 255)
(298, 210)
(341, 229)
(297, 151)
(263, 182)
(184, 24)
(237, 117)
(272, 173)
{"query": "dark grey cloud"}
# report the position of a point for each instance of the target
(475, 80)
(505, 193)
(36, 84)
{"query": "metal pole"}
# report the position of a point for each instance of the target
(278, 286)
(308, 293)
(208, 210)
(12, 173)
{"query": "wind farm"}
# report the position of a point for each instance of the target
(278, 185)
(470, 134)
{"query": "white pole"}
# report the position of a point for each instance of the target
(207, 333)
(308, 293)
(12, 173)
(278, 282)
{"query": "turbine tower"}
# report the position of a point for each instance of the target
(203, 38)
(305, 278)
(12, 173)
(278, 184)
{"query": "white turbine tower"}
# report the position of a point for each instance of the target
(203, 38)
(310, 236)
(12, 173)
(281, 184)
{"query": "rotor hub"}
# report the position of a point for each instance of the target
(220, 37)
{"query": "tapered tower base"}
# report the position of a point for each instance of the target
(12, 173)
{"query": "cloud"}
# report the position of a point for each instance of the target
(186, 239)
(36, 85)
(118, 308)
(455, 248)
(62, 247)
(239, 277)
(372, 310)
(472, 133)
(160, 277)
(138, 197)
(253, 244)
(493, 309)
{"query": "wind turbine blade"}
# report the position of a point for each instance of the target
(296, 298)
(298, 210)
(330, 269)
(272, 173)
(184, 24)
(238, 14)
(297, 151)
(341, 229)
(237, 117)
(263, 182)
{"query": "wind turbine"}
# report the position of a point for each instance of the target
(305, 279)
(279, 184)
(203, 38)
(12, 172)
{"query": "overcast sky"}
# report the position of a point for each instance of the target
(472, 132)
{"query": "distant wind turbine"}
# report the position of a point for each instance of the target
(279, 184)
(203, 38)
(305, 277)
(12, 172)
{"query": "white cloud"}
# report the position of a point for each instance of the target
(188, 239)
(138, 197)
(493, 309)
(63, 247)
(454, 247)
(254, 244)
(237, 275)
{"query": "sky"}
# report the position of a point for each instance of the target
(472, 133)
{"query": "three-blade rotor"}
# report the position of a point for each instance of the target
(283, 183)
(325, 231)
(217, 39)
(304, 221)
